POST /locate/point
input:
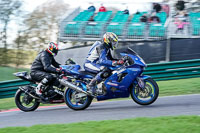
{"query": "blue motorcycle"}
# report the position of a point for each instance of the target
(124, 81)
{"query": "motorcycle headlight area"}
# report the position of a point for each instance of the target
(141, 60)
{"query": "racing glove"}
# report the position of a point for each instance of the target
(60, 70)
(119, 62)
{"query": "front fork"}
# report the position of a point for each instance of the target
(141, 81)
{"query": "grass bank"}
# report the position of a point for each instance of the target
(179, 124)
(179, 87)
(167, 88)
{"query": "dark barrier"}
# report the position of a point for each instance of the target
(180, 49)
(151, 52)
(185, 49)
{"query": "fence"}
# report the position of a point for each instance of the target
(174, 70)
(158, 71)
(8, 88)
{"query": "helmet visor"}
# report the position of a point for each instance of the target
(55, 51)
(115, 44)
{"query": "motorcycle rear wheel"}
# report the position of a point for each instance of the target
(25, 102)
(151, 91)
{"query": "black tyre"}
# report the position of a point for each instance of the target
(25, 102)
(148, 96)
(74, 103)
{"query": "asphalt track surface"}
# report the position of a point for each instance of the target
(108, 110)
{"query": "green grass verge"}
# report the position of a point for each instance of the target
(7, 73)
(179, 124)
(7, 103)
(179, 87)
(167, 88)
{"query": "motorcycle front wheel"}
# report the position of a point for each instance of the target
(75, 102)
(25, 102)
(145, 96)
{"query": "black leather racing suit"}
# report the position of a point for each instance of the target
(43, 66)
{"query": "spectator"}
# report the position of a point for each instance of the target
(180, 5)
(165, 8)
(154, 18)
(102, 8)
(91, 8)
(143, 18)
(180, 25)
(137, 12)
(126, 11)
(156, 7)
(181, 14)
(91, 18)
(91, 21)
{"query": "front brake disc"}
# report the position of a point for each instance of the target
(146, 92)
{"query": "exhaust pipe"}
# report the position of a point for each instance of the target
(72, 86)
(26, 92)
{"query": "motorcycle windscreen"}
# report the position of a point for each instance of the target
(116, 54)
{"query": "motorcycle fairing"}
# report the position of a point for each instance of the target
(120, 89)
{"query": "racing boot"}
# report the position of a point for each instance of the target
(91, 87)
(40, 88)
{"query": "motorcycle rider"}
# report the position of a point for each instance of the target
(99, 59)
(43, 66)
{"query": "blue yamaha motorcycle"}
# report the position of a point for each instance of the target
(124, 81)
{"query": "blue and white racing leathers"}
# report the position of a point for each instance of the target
(98, 58)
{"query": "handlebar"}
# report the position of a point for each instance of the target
(126, 63)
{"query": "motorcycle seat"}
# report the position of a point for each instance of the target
(28, 77)
(24, 75)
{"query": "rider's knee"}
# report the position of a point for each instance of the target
(49, 78)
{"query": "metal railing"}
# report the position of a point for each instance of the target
(9, 88)
(158, 71)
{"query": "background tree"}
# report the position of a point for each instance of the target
(7, 9)
(42, 23)
(21, 55)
